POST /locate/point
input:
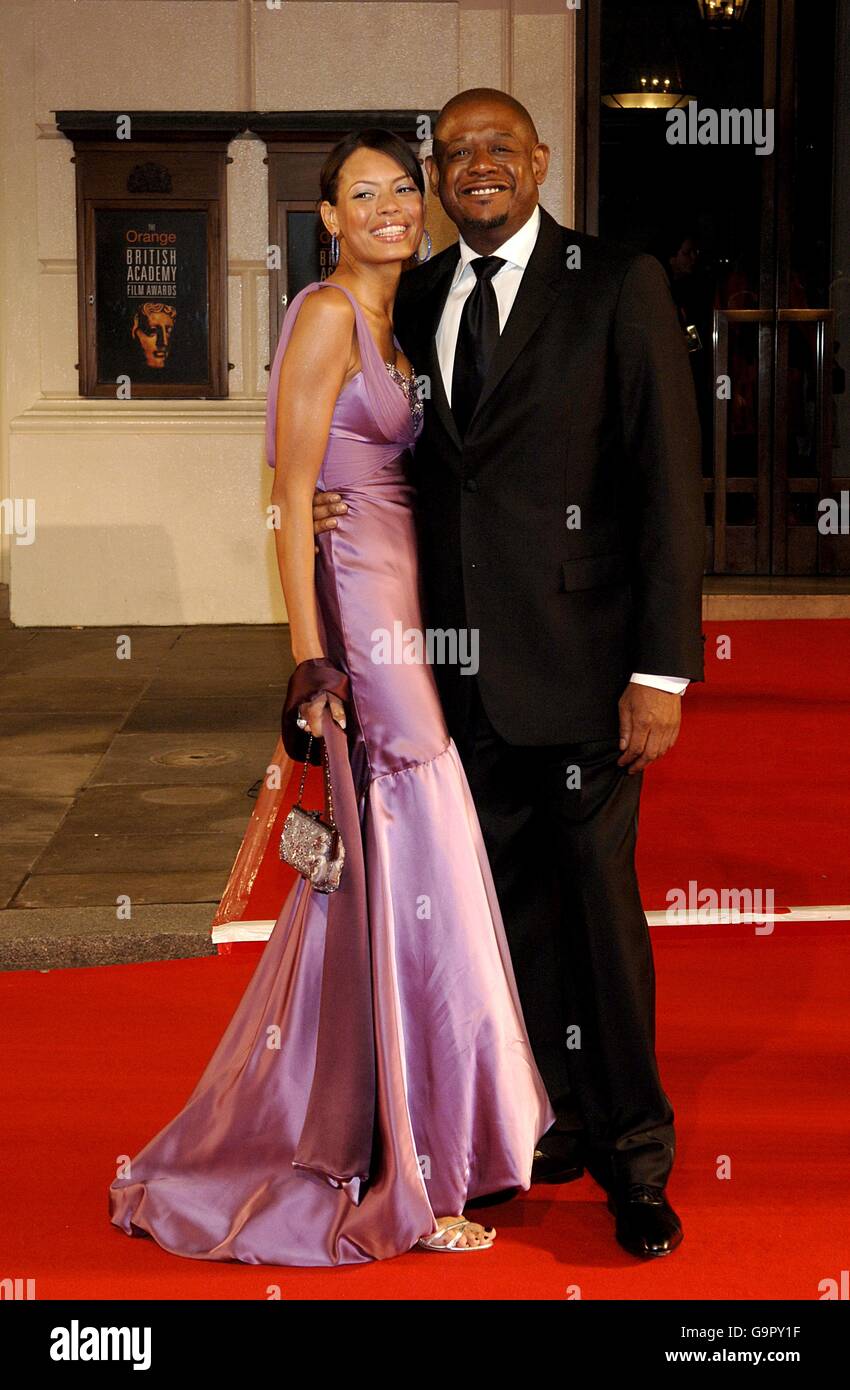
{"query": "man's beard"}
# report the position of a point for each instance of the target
(475, 224)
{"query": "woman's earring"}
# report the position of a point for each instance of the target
(334, 249)
(420, 260)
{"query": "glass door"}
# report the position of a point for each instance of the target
(742, 212)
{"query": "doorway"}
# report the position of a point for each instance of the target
(717, 147)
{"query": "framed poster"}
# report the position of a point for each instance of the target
(152, 296)
(152, 251)
(306, 247)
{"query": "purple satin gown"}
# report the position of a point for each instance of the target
(459, 1101)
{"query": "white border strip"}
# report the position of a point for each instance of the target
(696, 917)
(241, 931)
(723, 916)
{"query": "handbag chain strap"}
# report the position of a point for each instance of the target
(328, 790)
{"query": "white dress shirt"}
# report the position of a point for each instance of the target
(515, 252)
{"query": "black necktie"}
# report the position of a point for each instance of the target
(477, 336)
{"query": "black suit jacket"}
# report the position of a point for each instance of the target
(588, 404)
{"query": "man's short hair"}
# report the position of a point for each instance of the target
(505, 99)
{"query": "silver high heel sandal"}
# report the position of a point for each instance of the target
(451, 1245)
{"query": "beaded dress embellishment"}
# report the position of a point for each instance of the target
(410, 388)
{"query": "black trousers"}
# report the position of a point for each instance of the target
(560, 827)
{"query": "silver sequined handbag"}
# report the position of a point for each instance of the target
(311, 845)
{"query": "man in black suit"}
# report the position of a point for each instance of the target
(561, 517)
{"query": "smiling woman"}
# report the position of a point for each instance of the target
(404, 974)
(372, 188)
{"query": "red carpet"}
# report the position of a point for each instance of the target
(753, 1043)
(757, 789)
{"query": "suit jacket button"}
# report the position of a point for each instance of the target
(471, 484)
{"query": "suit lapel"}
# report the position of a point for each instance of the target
(436, 301)
(541, 280)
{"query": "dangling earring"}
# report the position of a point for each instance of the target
(334, 249)
(420, 260)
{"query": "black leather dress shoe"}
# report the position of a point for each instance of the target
(492, 1199)
(563, 1164)
(647, 1225)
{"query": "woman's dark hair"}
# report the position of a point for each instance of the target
(372, 138)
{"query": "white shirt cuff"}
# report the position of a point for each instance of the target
(675, 684)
